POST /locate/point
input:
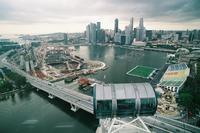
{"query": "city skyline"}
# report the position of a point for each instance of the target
(72, 16)
(102, 66)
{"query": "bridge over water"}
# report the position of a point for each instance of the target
(78, 100)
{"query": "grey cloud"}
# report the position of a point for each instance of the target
(177, 10)
(61, 11)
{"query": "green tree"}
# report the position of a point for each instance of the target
(186, 99)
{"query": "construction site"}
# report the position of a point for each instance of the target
(58, 65)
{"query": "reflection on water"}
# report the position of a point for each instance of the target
(21, 94)
(29, 122)
(121, 60)
(33, 112)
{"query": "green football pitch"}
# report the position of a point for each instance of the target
(141, 71)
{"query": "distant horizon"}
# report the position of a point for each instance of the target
(52, 32)
(50, 16)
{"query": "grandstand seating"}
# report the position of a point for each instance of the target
(174, 76)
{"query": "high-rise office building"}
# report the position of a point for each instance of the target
(88, 33)
(128, 39)
(128, 35)
(141, 24)
(101, 36)
(98, 25)
(195, 34)
(123, 39)
(65, 38)
(93, 33)
(131, 30)
(131, 24)
(149, 35)
(100, 33)
(134, 32)
(116, 25)
(179, 35)
(117, 38)
(141, 31)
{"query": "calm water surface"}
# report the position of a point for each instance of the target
(33, 112)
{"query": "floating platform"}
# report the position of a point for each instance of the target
(141, 71)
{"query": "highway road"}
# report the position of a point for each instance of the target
(76, 99)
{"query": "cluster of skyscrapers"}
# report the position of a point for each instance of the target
(129, 34)
(95, 34)
(123, 37)
(138, 35)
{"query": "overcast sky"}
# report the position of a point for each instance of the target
(46, 16)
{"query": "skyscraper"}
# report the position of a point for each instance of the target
(93, 33)
(131, 36)
(128, 35)
(131, 24)
(100, 36)
(149, 34)
(117, 38)
(98, 25)
(65, 38)
(116, 25)
(123, 39)
(100, 33)
(141, 23)
(195, 34)
(141, 31)
(88, 33)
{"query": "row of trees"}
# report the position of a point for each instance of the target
(5, 86)
(189, 96)
(12, 81)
